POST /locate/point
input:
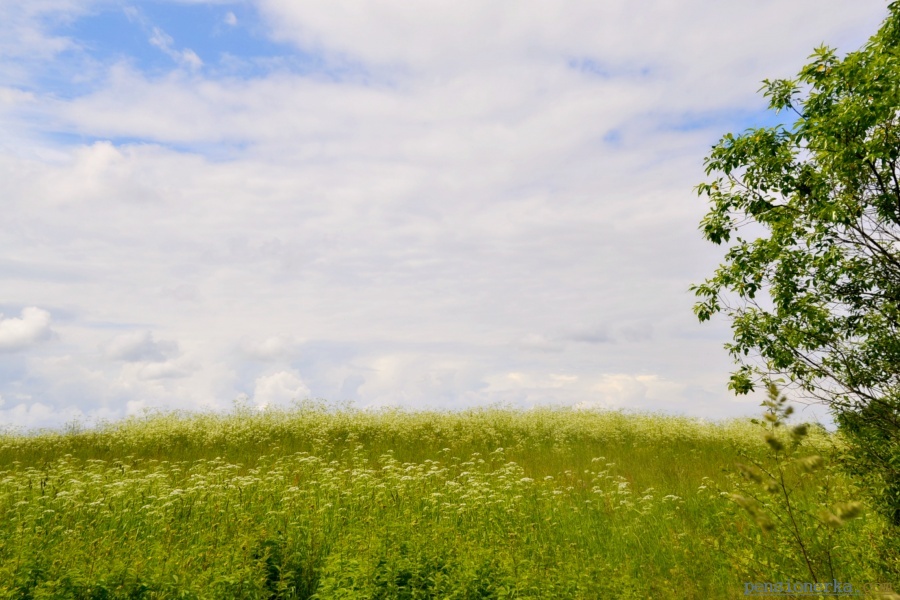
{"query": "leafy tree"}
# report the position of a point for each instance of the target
(812, 288)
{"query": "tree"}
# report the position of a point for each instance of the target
(813, 293)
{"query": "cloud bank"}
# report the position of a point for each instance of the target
(472, 204)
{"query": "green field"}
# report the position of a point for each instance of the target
(315, 503)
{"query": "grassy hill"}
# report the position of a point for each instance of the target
(311, 503)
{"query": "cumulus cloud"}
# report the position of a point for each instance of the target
(461, 205)
(636, 390)
(23, 332)
(279, 389)
(421, 380)
(36, 415)
(140, 346)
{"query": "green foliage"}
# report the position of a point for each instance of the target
(353, 504)
(813, 294)
(792, 496)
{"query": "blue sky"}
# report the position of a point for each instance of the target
(438, 206)
(228, 39)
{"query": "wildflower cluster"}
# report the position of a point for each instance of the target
(329, 504)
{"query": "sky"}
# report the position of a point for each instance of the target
(435, 205)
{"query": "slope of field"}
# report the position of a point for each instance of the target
(353, 504)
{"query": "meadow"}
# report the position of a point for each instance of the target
(341, 503)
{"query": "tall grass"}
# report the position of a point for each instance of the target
(312, 503)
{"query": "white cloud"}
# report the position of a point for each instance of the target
(23, 332)
(540, 343)
(420, 380)
(140, 346)
(148, 360)
(279, 389)
(637, 390)
(686, 37)
(268, 349)
(448, 191)
(24, 35)
(11, 96)
(156, 370)
(164, 42)
(36, 415)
